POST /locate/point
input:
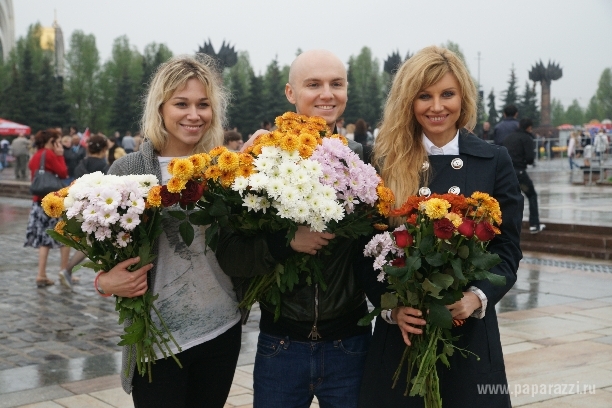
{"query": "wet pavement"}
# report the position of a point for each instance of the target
(58, 348)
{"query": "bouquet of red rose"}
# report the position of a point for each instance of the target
(428, 261)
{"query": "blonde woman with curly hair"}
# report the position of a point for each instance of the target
(425, 146)
(184, 114)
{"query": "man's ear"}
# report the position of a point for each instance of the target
(289, 93)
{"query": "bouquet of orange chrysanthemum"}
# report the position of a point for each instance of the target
(428, 262)
(112, 219)
(295, 175)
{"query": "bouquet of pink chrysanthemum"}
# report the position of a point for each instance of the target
(295, 175)
(112, 219)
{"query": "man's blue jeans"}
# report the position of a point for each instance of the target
(288, 373)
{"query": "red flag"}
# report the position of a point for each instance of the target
(85, 138)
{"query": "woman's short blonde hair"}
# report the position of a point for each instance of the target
(172, 76)
(399, 151)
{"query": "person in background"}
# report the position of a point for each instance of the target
(508, 124)
(184, 114)
(350, 131)
(114, 150)
(137, 141)
(361, 136)
(571, 149)
(128, 143)
(340, 126)
(20, 147)
(4, 151)
(520, 145)
(484, 132)
(232, 140)
(600, 144)
(97, 147)
(47, 142)
(425, 146)
(73, 154)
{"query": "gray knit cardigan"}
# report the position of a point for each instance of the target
(143, 161)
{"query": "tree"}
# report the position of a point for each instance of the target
(365, 90)
(83, 67)
(575, 114)
(545, 76)
(528, 105)
(557, 112)
(454, 47)
(274, 81)
(254, 104)
(493, 114)
(153, 56)
(510, 94)
(603, 96)
(237, 81)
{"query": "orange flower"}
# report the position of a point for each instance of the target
(59, 227)
(290, 143)
(227, 178)
(228, 161)
(199, 163)
(176, 185)
(213, 172)
(183, 169)
(217, 151)
(305, 151)
(154, 197)
(53, 205)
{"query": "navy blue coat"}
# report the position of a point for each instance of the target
(486, 168)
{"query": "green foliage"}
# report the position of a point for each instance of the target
(575, 114)
(510, 94)
(528, 105)
(365, 90)
(275, 102)
(600, 105)
(241, 114)
(557, 113)
(493, 115)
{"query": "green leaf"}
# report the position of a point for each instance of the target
(463, 251)
(388, 301)
(457, 268)
(485, 260)
(62, 239)
(187, 232)
(367, 319)
(412, 299)
(491, 277)
(200, 217)
(427, 244)
(435, 259)
(413, 262)
(218, 208)
(431, 288)
(442, 280)
(440, 316)
(180, 215)
(211, 236)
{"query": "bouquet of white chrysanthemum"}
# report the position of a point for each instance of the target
(112, 219)
(291, 185)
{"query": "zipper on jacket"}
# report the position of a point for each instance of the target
(314, 333)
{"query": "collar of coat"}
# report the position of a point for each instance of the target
(471, 145)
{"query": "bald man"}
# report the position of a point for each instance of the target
(316, 347)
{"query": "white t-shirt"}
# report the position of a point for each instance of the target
(196, 299)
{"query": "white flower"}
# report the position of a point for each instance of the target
(123, 239)
(258, 181)
(109, 199)
(89, 226)
(108, 217)
(129, 221)
(90, 213)
(251, 202)
(103, 233)
(135, 204)
(288, 170)
(240, 184)
(275, 187)
(381, 276)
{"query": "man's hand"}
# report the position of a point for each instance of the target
(252, 139)
(308, 241)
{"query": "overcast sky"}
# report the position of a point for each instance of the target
(574, 33)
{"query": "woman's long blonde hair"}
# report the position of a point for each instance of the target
(173, 75)
(399, 152)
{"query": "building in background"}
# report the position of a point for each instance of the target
(7, 28)
(52, 39)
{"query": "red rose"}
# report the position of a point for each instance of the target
(399, 262)
(167, 198)
(467, 228)
(403, 238)
(484, 231)
(192, 193)
(443, 228)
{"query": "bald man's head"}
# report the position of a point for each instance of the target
(318, 85)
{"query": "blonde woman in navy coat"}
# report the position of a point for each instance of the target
(423, 147)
